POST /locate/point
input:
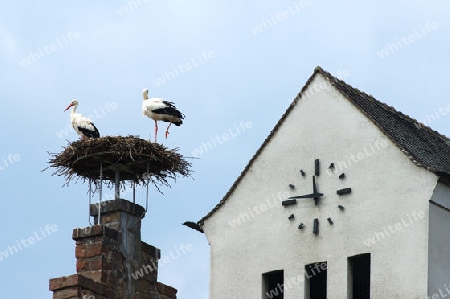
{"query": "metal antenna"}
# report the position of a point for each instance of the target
(134, 192)
(117, 182)
(146, 196)
(90, 194)
(148, 180)
(134, 195)
(100, 201)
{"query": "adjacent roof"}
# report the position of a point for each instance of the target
(424, 146)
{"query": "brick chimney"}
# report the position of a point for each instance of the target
(112, 261)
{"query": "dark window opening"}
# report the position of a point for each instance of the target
(316, 281)
(359, 276)
(273, 287)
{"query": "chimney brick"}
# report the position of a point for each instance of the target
(107, 256)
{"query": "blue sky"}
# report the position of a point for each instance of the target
(259, 55)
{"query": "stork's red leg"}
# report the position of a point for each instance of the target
(156, 129)
(167, 131)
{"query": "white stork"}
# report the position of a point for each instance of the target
(158, 109)
(82, 125)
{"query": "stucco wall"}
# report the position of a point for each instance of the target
(439, 243)
(387, 188)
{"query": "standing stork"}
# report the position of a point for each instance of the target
(158, 109)
(82, 125)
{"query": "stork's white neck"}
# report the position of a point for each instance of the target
(74, 109)
(145, 94)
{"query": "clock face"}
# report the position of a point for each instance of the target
(313, 194)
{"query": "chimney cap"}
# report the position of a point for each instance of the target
(118, 205)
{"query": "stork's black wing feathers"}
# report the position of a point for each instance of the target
(89, 133)
(170, 110)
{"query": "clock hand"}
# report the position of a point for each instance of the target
(293, 199)
(316, 199)
(314, 185)
(312, 195)
(315, 195)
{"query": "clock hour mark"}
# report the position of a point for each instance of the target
(342, 175)
(341, 207)
(331, 166)
(316, 162)
(316, 227)
(344, 191)
(291, 186)
(329, 220)
(302, 172)
(288, 202)
(301, 226)
(291, 217)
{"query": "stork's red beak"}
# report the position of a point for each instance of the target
(68, 107)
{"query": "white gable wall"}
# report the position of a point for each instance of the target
(387, 188)
(439, 243)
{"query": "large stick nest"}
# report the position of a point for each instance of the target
(138, 161)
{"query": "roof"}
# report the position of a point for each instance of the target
(424, 146)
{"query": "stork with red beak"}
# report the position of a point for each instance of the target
(82, 125)
(158, 109)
